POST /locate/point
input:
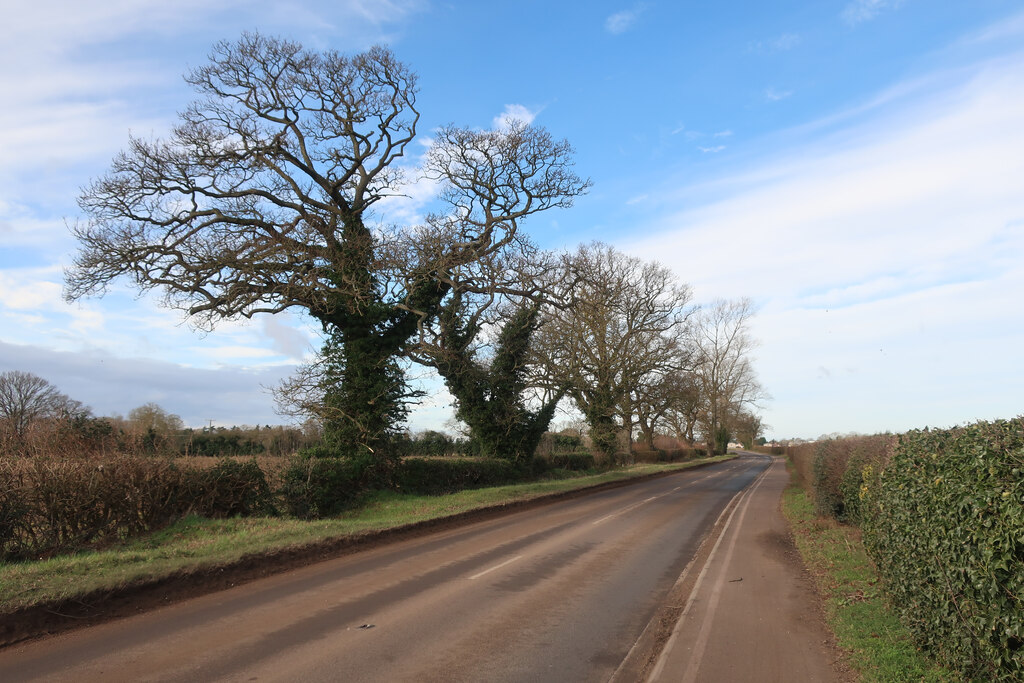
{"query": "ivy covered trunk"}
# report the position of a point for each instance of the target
(598, 408)
(364, 386)
(491, 398)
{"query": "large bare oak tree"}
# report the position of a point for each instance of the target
(260, 200)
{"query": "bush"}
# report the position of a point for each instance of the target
(231, 488)
(944, 522)
(664, 455)
(575, 462)
(827, 473)
(317, 486)
(833, 472)
(424, 476)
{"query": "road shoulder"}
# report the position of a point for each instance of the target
(747, 610)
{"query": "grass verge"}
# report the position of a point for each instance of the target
(880, 647)
(196, 542)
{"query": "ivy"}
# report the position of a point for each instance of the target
(944, 521)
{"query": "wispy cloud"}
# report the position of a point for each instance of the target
(859, 11)
(902, 228)
(775, 95)
(620, 22)
(780, 43)
(712, 150)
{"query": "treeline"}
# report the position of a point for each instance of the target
(942, 515)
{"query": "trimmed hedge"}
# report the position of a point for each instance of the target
(944, 521)
(832, 471)
(315, 487)
(428, 476)
(575, 462)
(49, 505)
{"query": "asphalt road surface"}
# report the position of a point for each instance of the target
(560, 592)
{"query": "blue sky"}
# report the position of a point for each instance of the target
(856, 167)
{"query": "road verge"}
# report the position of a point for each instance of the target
(74, 591)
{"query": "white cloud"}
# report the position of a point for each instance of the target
(285, 338)
(514, 112)
(780, 43)
(712, 150)
(620, 22)
(859, 11)
(888, 252)
(774, 94)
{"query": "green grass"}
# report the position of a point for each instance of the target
(195, 542)
(880, 647)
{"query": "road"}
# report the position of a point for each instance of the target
(560, 592)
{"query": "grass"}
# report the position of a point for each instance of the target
(196, 542)
(879, 647)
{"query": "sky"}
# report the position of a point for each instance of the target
(855, 167)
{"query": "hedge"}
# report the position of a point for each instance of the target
(428, 476)
(576, 462)
(49, 505)
(944, 522)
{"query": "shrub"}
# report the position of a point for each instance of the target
(664, 455)
(827, 473)
(944, 522)
(575, 462)
(13, 510)
(425, 476)
(315, 486)
(231, 488)
(833, 472)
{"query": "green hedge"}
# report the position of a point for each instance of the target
(576, 462)
(317, 485)
(944, 522)
(428, 476)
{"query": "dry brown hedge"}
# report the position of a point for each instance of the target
(49, 505)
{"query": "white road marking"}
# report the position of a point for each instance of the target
(697, 649)
(497, 566)
(624, 510)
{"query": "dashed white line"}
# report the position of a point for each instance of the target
(497, 566)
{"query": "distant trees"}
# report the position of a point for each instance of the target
(260, 201)
(723, 369)
(618, 335)
(26, 398)
(154, 429)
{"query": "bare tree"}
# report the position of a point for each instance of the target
(684, 406)
(747, 427)
(26, 398)
(619, 330)
(152, 428)
(261, 201)
(722, 366)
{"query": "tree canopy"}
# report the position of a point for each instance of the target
(260, 201)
